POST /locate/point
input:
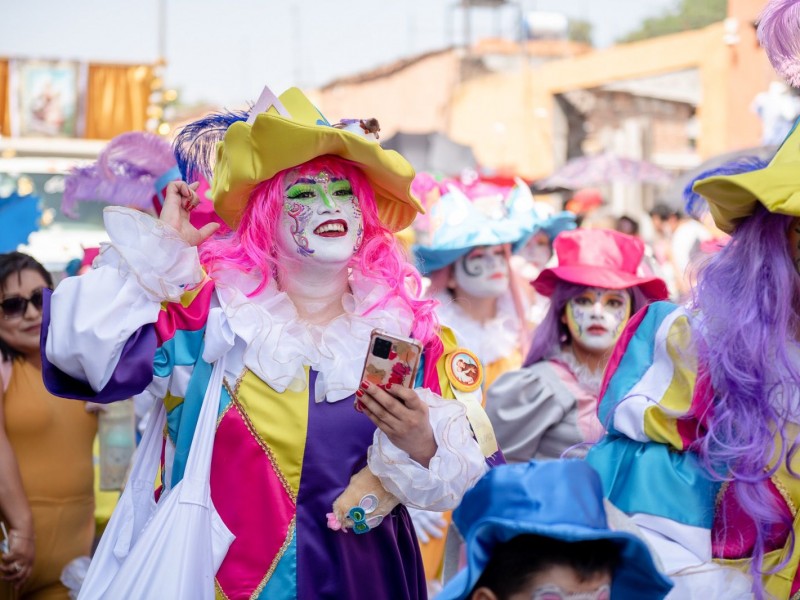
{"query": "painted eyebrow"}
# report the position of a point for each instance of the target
(310, 181)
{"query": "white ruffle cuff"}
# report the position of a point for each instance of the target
(154, 253)
(455, 468)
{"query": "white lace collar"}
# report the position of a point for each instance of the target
(589, 380)
(497, 338)
(279, 345)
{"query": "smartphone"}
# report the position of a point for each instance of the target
(4, 547)
(391, 359)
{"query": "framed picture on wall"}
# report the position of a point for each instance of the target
(47, 97)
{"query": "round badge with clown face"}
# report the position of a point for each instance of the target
(464, 370)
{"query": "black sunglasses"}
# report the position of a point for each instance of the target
(16, 306)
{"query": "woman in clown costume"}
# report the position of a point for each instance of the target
(288, 300)
(467, 261)
(701, 401)
(550, 404)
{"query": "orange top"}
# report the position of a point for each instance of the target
(52, 437)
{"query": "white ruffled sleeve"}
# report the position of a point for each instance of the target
(456, 466)
(92, 316)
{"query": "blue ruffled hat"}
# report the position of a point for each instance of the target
(561, 499)
(459, 226)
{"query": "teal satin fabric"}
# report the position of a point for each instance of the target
(653, 479)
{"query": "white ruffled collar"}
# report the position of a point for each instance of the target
(497, 338)
(589, 380)
(279, 345)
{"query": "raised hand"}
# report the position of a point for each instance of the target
(179, 200)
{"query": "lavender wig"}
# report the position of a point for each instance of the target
(779, 35)
(748, 297)
(552, 334)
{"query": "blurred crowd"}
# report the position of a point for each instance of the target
(572, 428)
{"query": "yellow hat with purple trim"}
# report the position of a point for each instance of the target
(287, 131)
(733, 197)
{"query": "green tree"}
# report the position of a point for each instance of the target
(580, 30)
(687, 14)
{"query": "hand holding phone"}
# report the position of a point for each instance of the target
(391, 360)
(387, 395)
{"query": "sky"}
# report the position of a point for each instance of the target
(224, 51)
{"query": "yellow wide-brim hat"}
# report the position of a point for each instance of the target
(776, 186)
(250, 154)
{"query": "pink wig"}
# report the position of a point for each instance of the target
(252, 248)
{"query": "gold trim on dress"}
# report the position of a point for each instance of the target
(276, 560)
(275, 467)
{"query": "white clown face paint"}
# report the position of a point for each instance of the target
(321, 219)
(538, 250)
(483, 272)
(596, 317)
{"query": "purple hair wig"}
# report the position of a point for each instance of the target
(748, 297)
(552, 334)
(779, 35)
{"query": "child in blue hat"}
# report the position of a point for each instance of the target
(539, 530)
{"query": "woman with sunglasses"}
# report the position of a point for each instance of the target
(46, 497)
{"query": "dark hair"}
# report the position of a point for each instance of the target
(13, 263)
(515, 562)
(664, 211)
(628, 225)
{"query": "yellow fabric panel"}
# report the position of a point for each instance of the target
(660, 421)
(104, 500)
(281, 419)
(5, 113)
(117, 97)
(170, 402)
(662, 428)
(187, 298)
(450, 344)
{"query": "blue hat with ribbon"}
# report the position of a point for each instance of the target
(561, 499)
(459, 225)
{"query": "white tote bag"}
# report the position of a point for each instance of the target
(172, 549)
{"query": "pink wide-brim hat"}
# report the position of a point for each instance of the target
(600, 258)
